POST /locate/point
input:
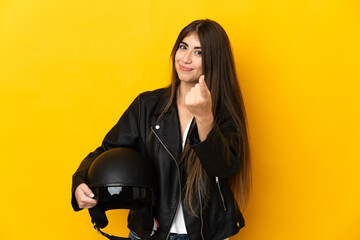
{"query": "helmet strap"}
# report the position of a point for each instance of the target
(108, 236)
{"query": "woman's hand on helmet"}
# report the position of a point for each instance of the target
(84, 196)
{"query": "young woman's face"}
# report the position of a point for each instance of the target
(188, 60)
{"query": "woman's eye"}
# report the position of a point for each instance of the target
(198, 52)
(182, 47)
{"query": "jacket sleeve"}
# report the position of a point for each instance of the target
(219, 152)
(124, 134)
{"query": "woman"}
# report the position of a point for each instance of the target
(195, 133)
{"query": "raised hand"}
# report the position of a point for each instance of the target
(198, 102)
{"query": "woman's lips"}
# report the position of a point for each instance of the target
(185, 69)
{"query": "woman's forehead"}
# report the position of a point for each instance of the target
(192, 38)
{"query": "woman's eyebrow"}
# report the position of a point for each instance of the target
(188, 45)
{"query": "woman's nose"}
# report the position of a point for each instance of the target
(187, 57)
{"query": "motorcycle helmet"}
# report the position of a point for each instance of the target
(121, 178)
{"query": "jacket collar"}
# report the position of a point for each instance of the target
(164, 99)
(167, 128)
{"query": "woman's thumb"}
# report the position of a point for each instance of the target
(87, 191)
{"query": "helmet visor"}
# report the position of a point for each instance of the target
(120, 197)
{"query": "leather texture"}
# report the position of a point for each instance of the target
(160, 141)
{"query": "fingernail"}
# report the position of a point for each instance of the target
(92, 195)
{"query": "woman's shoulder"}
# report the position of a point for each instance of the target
(153, 94)
(154, 100)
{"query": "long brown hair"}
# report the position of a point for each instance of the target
(221, 79)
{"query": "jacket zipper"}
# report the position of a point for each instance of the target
(221, 195)
(201, 219)
(177, 167)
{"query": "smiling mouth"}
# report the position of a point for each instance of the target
(185, 69)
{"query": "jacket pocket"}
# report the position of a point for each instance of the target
(220, 192)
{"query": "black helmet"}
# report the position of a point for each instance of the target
(122, 178)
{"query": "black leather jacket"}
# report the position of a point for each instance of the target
(160, 141)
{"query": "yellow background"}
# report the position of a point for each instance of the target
(68, 69)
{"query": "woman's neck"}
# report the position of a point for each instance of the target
(182, 90)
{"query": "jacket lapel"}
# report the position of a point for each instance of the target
(167, 128)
